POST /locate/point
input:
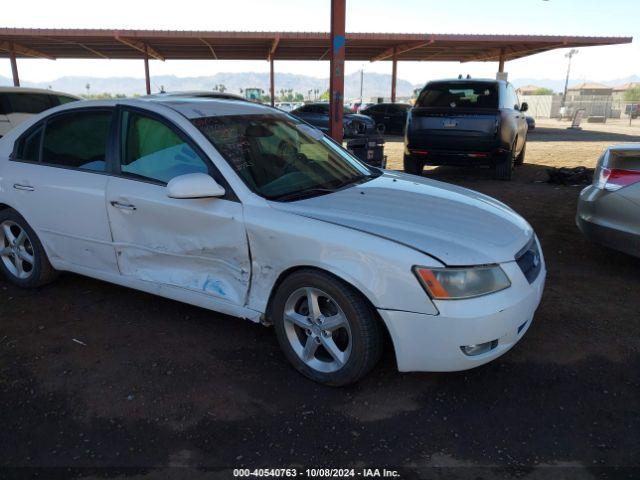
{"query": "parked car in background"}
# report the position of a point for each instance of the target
(17, 104)
(531, 123)
(285, 106)
(364, 105)
(466, 122)
(317, 114)
(392, 116)
(354, 105)
(609, 209)
(197, 94)
(241, 209)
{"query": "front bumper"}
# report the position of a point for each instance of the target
(432, 343)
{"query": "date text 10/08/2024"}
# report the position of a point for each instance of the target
(317, 472)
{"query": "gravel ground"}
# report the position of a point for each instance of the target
(97, 376)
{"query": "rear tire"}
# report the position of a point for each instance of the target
(335, 342)
(23, 260)
(413, 165)
(520, 158)
(504, 169)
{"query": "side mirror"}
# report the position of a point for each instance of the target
(194, 185)
(524, 107)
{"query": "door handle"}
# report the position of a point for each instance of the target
(26, 188)
(123, 206)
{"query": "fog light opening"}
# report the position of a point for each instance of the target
(521, 327)
(479, 348)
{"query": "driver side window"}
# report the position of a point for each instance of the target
(151, 150)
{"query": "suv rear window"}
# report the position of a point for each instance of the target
(459, 95)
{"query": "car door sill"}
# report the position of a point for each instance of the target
(180, 294)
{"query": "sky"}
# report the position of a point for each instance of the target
(550, 17)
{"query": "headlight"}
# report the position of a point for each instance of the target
(465, 282)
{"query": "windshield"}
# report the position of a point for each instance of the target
(459, 95)
(281, 158)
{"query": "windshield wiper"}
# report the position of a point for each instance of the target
(360, 178)
(307, 192)
(304, 193)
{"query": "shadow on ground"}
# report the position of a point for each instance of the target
(159, 384)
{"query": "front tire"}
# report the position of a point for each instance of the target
(413, 165)
(23, 260)
(326, 328)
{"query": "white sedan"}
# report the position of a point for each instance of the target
(240, 208)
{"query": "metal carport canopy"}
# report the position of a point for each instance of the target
(227, 45)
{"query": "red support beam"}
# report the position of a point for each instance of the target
(336, 65)
(272, 88)
(394, 75)
(14, 66)
(147, 77)
(501, 61)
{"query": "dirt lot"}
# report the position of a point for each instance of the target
(159, 384)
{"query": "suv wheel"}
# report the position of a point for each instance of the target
(22, 257)
(325, 328)
(504, 169)
(413, 165)
(520, 158)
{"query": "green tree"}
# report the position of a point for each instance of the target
(325, 96)
(633, 94)
(542, 91)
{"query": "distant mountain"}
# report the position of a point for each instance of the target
(375, 84)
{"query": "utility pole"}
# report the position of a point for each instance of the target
(568, 55)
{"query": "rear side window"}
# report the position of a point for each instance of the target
(62, 99)
(27, 103)
(77, 140)
(459, 95)
(151, 150)
(29, 146)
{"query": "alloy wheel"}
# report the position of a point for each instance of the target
(317, 329)
(16, 250)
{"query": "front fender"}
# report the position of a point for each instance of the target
(379, 268)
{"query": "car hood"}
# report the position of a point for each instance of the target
(455, 225)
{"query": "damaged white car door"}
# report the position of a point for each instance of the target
(198, 244)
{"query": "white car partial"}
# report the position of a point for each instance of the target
(242, 209)
(18, 104)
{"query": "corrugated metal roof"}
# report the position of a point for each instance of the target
(253, 45)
